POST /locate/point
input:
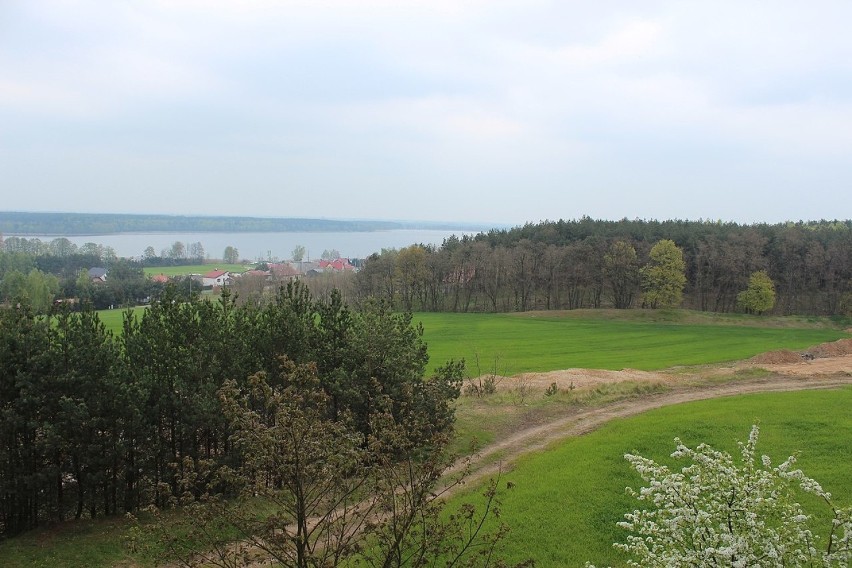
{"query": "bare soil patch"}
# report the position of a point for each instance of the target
(831, 367)
(823, 359)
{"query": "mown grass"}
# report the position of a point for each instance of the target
(507, 344)
(194, 269)
(113, 320)
(566, 502)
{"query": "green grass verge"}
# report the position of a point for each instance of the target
(566, 502)
(516, 343)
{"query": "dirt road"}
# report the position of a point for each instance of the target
(820, 373)
(786, 372)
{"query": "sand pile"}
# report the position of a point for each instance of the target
(837, 348)
(834, 349)
(777, 357)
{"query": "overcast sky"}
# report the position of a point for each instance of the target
(446, 110)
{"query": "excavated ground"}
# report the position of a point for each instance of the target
(828, 365)
(825, 359)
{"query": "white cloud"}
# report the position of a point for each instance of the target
(630, 43)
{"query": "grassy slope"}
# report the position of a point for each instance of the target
(566, 502)
(546, 342)
(637, 339)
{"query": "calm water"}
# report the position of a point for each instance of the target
(264, 246)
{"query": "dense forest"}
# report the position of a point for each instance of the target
(550, 265)
(588, 263)
(21, 223)
(97, 424)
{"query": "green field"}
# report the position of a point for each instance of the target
(639, 339)
(193, 269)
(519, 343)
(113, 319)
(566, 502)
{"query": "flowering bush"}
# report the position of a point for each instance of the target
(715, 512)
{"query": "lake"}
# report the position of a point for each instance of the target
(268, 246)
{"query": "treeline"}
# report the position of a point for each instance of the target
(23, 223)
(587, 263)
(177, 254)
(41, 276)
(95, 424)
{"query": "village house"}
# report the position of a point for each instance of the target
(98, 274)
(216, 278)
(337, 265)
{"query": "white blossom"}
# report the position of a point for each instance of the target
(715, 512)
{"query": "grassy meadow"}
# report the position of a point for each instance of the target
(566, 502)
(193, 269)
(598, 339)
(113, 319)
(508, 344)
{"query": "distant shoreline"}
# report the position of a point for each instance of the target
(26, 224)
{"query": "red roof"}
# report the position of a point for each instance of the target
(215, 273)
(340, 264)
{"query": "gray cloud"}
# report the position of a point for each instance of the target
(501, 111)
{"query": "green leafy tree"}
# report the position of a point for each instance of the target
(37, 288)
(759, 297)
(664, 277)
(62, 247)
(13, 286)
(330, 497)
(84, 288)
(92, 249)
(10, 261)
(42, 289)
